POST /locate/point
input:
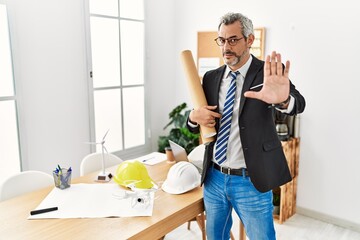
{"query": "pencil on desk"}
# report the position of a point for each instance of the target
(45, 210)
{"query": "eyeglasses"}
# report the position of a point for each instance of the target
(231, 41)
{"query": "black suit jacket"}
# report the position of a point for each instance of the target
(264, 156)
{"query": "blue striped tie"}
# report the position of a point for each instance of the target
(225, 121)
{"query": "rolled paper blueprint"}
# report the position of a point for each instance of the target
(196, 91)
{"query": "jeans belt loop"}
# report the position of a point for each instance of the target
(228, 171)
(244, 172)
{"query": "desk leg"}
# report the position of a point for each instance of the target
(201, 222)
(242, 231)
(232, 236)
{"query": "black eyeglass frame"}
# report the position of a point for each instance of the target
(231, 41)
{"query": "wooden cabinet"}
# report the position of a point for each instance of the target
(288, 191)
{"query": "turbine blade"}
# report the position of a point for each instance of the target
(106, 134)
(105, 149)
(92, 143)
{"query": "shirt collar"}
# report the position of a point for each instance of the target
(243, 69)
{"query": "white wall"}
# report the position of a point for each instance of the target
(49, 52)
(160, 67)
(319, 37)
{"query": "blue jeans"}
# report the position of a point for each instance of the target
(224, 192)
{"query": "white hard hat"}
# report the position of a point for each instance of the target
(182, 177)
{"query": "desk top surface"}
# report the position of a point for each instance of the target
(170, 211)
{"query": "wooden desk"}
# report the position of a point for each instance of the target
(170, 211)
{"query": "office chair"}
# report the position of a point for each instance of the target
(24, 182)
(93, 162)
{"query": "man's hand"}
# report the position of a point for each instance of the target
(276, 86)
(204, 116)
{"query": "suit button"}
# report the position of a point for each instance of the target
(242, 128)
(245, 148)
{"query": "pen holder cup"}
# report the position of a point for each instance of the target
(62, 179)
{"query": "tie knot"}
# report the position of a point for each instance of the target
(234, 74)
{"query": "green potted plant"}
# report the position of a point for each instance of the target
(179, 132)
(276, 201)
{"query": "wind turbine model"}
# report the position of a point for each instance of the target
(103, 176)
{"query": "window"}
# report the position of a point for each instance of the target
(9, 139)
(116, 63)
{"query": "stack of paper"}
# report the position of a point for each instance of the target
(152, 158)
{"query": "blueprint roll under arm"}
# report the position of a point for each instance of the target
(196, 91)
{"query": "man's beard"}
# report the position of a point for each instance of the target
(237, 58)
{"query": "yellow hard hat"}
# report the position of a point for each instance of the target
(133, 173)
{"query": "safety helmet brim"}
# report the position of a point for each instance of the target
(165, 186)
(182, 177)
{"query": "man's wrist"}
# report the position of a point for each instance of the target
(195, 123)
(283, 104)
(189, 118)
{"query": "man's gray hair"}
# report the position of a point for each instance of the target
(246, 23)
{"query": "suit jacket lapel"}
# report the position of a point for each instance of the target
(219, 76)
(214, 94)
(254, 68)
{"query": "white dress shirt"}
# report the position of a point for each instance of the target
(234, 153)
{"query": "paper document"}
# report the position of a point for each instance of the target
(152, 158)
(206, 64)
(94, 201)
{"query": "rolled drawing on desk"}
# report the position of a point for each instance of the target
(45, 210)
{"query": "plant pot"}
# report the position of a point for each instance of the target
(276, 210)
